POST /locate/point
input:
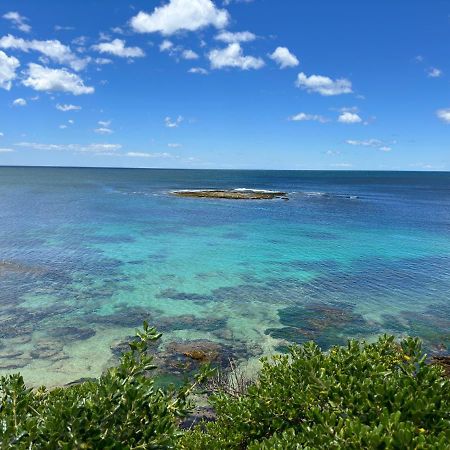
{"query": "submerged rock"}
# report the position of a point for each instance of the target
(69, 334)
(233, 194)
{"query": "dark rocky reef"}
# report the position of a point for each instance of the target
(232, 194)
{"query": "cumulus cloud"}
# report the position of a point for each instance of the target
(165, 45)
(180, 15)
(232, 56)
(8, 66)
(19, 22)
(19, 102)
(173, 123)
(284, 58)
(6, 150)
(52, 49)
(241, 36)
(90, 148)
(434, 72)
(443, 114)
(198, 70)
(303, 117)
(324, 85)
(68, 107)
(118, 47)
(189, 54)
(42, 78)
(349, 117)
(174, 145)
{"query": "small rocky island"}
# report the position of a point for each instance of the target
(233, 194)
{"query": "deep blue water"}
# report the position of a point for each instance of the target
(87, 254)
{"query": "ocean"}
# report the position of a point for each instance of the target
(87, 254)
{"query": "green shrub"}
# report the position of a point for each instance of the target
(122, 409)
(374, 396)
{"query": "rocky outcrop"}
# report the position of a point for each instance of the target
(232, 194)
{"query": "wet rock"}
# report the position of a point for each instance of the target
(232, 194)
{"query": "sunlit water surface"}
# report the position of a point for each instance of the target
(87, 254)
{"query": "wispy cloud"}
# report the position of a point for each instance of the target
(173, 123)
(304, 117)
(18, 21)
(443, 114)
(67, 107)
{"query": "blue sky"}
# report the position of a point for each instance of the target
(234, 84)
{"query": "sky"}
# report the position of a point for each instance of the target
(226, 84)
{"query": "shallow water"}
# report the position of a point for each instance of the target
(87, 254)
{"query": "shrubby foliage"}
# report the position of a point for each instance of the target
(123, 409)
(374, 396)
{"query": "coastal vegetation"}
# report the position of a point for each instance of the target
(361, 395)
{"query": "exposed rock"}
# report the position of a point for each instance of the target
(232, 194)
(80, 381)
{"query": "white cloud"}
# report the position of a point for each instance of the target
(349, 117)
(6, 150)
(324, 85)
(241, 36)
(232, 56)
(63, 28)
(149, 155)
(173, 123)
(68, 107)
(165, 45)
(103, 130)
(8, 66)
(179, 15)
(302, 117)
(2, 134)
(63, 127)
(443, 114)
(198, 70)
(434, 72)
(42, 78)
(89, 148)
(284, 57)
(189, 54)
(375, 143)
(52, 49)
(102, 61)
(174, 145)
(118, 47)
(20, 22)
(104, 127)
(19, 102)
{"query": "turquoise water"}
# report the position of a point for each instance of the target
(87, 254)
